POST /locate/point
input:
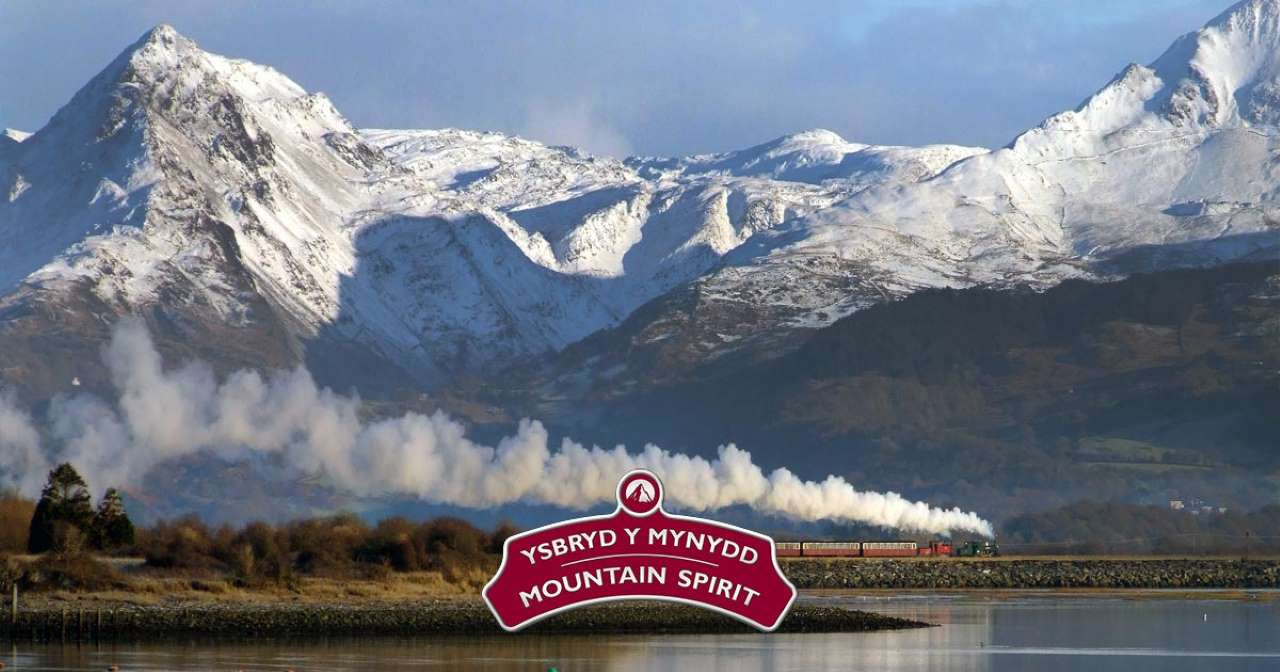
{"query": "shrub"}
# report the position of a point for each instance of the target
(71, 572)
(501, 533)
(270, 549)
(340, 546)
(68, 540)
(11, 572)
(392, 544)
(455, 547)
(181, 544)
(328, 546)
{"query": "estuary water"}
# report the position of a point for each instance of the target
(1020, 632)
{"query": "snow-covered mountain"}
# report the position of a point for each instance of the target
(219, 195)
(1173, 159)
(1172, 164)
(182, 179)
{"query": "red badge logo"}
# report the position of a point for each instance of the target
(639, 552)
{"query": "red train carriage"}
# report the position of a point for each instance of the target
(831, 549)
(870, 549)
(788, 549)
(890, 549)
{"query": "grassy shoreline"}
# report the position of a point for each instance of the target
(144, 603)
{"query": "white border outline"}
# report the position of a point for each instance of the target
(773, 554)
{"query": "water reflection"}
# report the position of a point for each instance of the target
(1053, 633)
(1040, 633)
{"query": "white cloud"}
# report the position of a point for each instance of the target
(576, 122)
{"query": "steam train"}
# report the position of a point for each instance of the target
(885, 549)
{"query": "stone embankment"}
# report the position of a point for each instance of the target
(53, 621)
(1015, 573)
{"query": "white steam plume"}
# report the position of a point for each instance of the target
(24, 463)
(161, 415)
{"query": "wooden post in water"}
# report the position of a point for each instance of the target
(13, 609)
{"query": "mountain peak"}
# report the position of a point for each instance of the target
(161, 34)
(1228, 72)
(162, 43)
(164, 58)
(166, 74)
(816, 143)
(812, 135)
(1250, 15)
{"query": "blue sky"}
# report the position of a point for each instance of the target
(653, 77)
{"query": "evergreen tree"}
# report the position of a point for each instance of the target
(111, 525)
(65, 500)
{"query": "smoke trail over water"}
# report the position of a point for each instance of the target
(161, 415)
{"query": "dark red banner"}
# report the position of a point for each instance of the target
(639, 552)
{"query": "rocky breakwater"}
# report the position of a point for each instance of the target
(1014, 573)
(43, 620)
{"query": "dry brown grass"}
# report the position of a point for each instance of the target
(15, 523)
(147, 589)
